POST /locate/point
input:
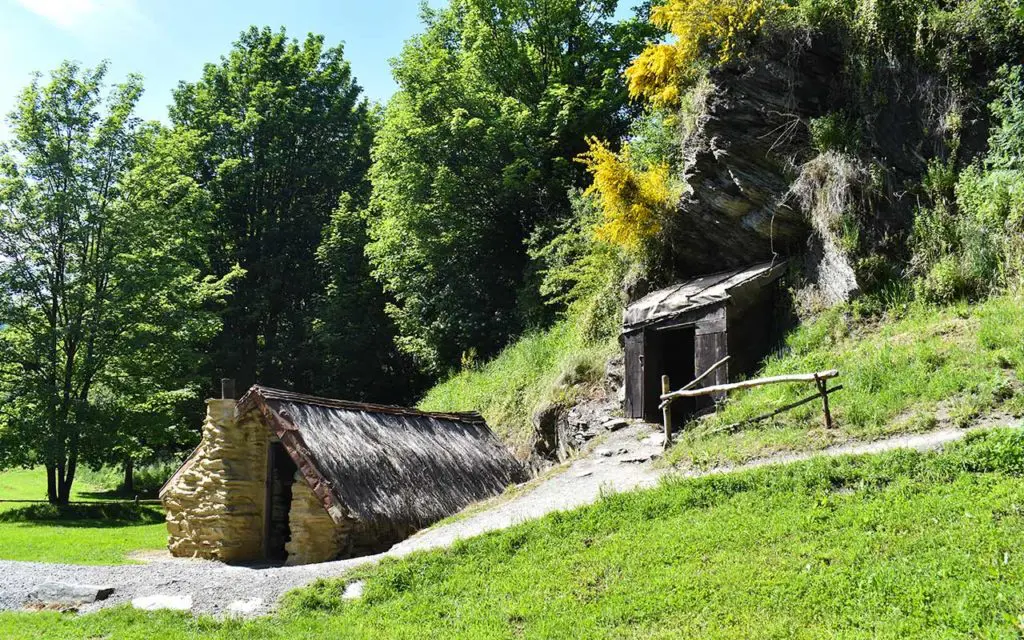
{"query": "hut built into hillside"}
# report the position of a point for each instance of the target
(682, 330)
(281, 476)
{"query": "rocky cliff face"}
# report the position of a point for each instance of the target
(751, 142)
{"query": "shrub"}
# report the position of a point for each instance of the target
(633, 200)
(834, 132)
(972, 241)
(704, 31)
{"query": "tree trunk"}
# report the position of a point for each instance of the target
(51, 484)
(128, 486)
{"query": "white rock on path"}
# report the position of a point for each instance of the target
(245, 606)
(155, 602)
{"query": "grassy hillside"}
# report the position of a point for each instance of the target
(95, 530)
(916, 368)
(889, 546)
(554, 365)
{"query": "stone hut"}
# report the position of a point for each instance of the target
(682, 330)
(284, 477)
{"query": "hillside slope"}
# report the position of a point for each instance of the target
(897, 545)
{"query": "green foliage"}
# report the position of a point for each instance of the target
(1006, 140)
(102, 292)
(583, 273)
(353, 335)
(281, 133)
(580, 273)
(834, 132)
(971, 240)
(551, 365)
(897, 545)
(474, 157)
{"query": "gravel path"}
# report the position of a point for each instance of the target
(621, 463)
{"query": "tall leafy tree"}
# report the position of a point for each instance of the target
(475, 156)
(101, 294)
(352, 333)
(283, 134)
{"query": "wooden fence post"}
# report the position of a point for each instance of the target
(666, 411)
(823, 390)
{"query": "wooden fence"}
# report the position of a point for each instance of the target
(820, 380)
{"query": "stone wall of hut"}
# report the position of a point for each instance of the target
(215, 508)
(315, 537)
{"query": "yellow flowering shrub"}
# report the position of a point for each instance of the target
(633, 200)
(702, 29)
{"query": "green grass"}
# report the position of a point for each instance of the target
(913, 371)
(94, 530)
(898, 545)
(555, 365)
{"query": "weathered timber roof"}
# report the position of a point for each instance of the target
(384, 465)
(679, 299)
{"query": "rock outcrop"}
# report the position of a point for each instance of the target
(750, 142)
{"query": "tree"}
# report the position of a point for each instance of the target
(100, 278)
(283, 133)
(475, 157)
(353, 334)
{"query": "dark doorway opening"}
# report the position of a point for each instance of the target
(280, 476)
(668, 352)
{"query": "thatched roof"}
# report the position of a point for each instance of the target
(387, 466)
(697, 293)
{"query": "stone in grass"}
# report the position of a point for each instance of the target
(615, 424)
(66, 595)
(353, 590)
(155, 602)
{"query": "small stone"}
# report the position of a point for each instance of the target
(654, 440)
(615, 424)
(584, 474)
(245, 606)
(637, 459)
(63, 594)
(353, 590)
(155, 602)
(604, 453)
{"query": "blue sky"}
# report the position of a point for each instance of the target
(170, 40)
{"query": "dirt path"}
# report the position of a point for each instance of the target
(621, 463)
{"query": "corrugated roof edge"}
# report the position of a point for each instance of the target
(770, 270)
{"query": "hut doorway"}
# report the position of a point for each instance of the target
(675, 359)
(280, 476)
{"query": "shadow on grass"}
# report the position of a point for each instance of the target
(118, 494)
(97, 514)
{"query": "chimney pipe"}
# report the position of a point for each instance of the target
(227, 388)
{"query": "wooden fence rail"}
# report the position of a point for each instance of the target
(820, 380)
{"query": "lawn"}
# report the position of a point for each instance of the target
(93, 530)
(916, 369)
(897, 545)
